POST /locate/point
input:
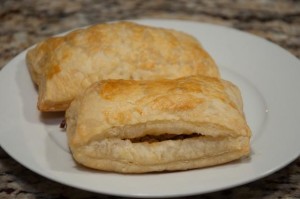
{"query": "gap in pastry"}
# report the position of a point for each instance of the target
(163, 137)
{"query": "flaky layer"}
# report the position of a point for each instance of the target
(103, 122)
(65, 66)
(126, 157)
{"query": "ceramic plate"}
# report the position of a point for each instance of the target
(267, 75)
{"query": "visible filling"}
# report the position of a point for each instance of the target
(163, 137)
(63, 124)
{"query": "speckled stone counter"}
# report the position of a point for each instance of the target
(26, 22)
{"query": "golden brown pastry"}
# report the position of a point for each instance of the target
(64, 66)
(141, 126)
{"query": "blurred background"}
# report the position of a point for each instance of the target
(26, 22)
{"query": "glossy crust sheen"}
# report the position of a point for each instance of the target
(64, 66)
(102, 122)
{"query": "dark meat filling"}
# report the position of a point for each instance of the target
(63, 124)
(163, 137)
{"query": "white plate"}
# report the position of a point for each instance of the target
(267, 75)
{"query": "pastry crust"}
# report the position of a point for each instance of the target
(64, 66)
(193, 122)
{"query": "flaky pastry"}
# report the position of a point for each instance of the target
(131, 126)
(64, 66)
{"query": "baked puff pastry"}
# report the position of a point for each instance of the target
(62, 67)
(130, 126)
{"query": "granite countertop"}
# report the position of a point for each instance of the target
(26, 22)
